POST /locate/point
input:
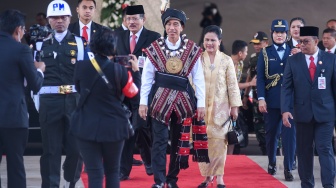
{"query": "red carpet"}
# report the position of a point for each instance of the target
(240, 172)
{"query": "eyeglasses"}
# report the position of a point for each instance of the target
(54, 18)
(305, 42)
(134, 19)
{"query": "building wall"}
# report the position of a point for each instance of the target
(241, 18)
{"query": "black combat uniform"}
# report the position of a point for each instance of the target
(58, 99)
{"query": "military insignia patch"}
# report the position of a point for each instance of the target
(72, 52)
(280, 24)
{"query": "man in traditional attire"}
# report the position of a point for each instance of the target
(171, 98)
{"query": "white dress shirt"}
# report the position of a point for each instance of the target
(137, 34)
(148, 75)
(295, 43)
(124, 27)
(332, 50)
(315, 58)
(282, 52)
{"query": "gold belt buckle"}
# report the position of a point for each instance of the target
(65, 89)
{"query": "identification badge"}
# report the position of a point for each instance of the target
(321, 82)
(141, 61)
(73, 60)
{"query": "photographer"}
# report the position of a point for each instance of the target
(16, 64)
(211, 16)
(102, 125)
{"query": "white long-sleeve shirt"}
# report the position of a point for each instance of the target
(148, 75)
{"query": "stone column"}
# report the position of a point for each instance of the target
(99, 5)
(153, 14)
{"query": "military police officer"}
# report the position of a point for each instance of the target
(58, 99)
(270, 68)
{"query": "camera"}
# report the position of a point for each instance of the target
(123, 60)
(39, 33)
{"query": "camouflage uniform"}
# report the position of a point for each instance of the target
(258, 118)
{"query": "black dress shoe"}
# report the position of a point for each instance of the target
(328, 186)
(172, 185)
(149, 170)
(69, 185)
(288, 175)
(206, 182)
(220, 186)
(123, 177)
(203, 185)
(158, 185)
(271, 169)
(137, 162)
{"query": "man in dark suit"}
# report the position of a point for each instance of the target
(85, 27)
(132, 41)
(330, 24)
(310, 79)
(270, 68)
(329, 40)
(329, 45)
(16, 70)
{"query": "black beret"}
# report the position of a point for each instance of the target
(309, 31)
(173, 14)
(136, 9)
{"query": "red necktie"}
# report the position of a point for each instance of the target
(133, 43)
(312, 68)
(329, 51)
(85, 34)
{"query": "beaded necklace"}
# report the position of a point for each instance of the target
(176, 52)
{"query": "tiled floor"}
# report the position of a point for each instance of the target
(32, 164)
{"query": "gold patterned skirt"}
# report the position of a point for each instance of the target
(217, 155)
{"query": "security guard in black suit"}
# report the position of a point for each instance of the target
(270, 67)
(85, 10)
(17, 65)
(58, 99)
